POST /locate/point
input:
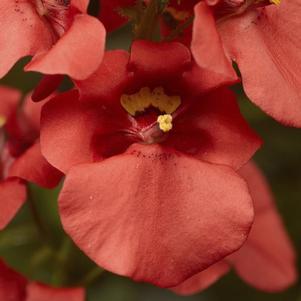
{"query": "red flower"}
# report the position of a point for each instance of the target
(267, 259)
(152, 201)
(20, 154)
(50, 31)
(264, 42)
(14, 287)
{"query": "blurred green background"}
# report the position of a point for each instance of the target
(50, 256)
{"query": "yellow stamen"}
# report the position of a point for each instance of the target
(165, 122)
(2, 121)
(145, 98)
(277, 2)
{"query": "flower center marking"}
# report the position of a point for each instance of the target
(57, 13)
(277, 2)
(145, 98)
(179, 15)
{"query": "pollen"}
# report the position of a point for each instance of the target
(165, 122)
(277, 2)
(146, 98)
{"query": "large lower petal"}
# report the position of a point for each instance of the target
(23, 32)
(266, 46)
(155, 215)
(40, 292)
(12, 284)
(214, 130)
(78, 53)
(202, 280)
(33, 167)
(267, 260)
(12, 197)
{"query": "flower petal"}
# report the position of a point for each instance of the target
(23, 33)
(33, 167)
(206, 44)
(12, 284)
(266, 46)
(215, 131)
(267, 260)
(107, 83)
(66, 131)
(41, 292)
(155, 215)
(12, 197)
(69, 56)
(158, 62)
(203, 280)
(9, 99)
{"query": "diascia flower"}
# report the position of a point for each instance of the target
(15, 287)
(263, 38)
(152, 199)
(59, 35)
(267, 259)
(21, 157)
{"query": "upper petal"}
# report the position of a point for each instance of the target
(266, 46)
(23, 33)
(69, 56)
(12, 197)
(206, 44)
(155, 215)
(267, 260)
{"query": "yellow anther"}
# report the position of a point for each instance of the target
(165, 122)
(2, 121)
(277, 2)
(145, 98)
(179, 15)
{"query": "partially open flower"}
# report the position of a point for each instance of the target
(20, 155)
(158, 198)
(267, 259)
(59, 35)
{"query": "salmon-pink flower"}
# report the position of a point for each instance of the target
(20, 154)
(59, 35)
(264, 41)
(151, 199)
(15, 287)
(267, 259)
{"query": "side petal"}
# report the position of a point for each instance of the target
(66, 131)
(215, 131)
(23, 33)
(203, 280)
(206, 44)
(69, 56)
(155, 215)
(267, 260)
(12, 197)
(266, 46)
(40, 292)
(12, 284)
(33, 167)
